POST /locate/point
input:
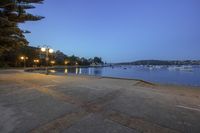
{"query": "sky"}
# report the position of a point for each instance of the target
(119, 30)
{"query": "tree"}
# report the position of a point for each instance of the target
(13, 12)
(97, 60)
(12, 58)
(60, 57)
(73, 60)
(84, 62)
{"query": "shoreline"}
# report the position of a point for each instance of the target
(133, 79)
(31, 70)
(145, 83)
(140, 82)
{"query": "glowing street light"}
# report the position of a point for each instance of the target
(47, 50)
(36, 61)
(52, 62)
(24, 58)
(66, 62)
(43, 49)
(50, 50)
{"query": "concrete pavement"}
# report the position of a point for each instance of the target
(39, 103)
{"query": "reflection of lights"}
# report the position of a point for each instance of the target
(52, 71)
(90, 71)
(66, 71)
(77, 71)
(80, 71)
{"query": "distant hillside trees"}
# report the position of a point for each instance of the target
(13, 12)
(162, 62)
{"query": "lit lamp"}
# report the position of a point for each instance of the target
(36, 61)
(66, 62)
(52, 62)
(47, 50)
(24, 58)
(51, 51)
(43, 49)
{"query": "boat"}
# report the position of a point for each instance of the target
(180, 68)
(186, 68)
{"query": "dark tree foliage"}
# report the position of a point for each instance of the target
(12, 58)
(73, 60)
(84, 62)
(97, 60)
(13, 12)
(59, 57)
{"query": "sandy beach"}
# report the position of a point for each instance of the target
(38, 103)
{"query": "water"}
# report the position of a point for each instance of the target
(158, 74)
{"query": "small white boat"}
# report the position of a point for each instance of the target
(180, 68)
(186, 68)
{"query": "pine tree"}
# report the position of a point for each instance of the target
(13, 12)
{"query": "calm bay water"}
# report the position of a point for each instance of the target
(157, 74)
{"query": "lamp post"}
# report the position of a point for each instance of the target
(47, 50)
(66, 62)
(52, 63)
(36, 61)
(24, 58)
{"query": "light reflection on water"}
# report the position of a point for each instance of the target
(164, 75)
(80, 71)
(52, 71)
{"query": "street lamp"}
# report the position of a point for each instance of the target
(47, 51)
(24, 58)
(50, 50)
(43, 49)
(66, 62)
(52, 62)
(36, 61)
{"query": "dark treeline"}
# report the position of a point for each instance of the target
(12, 13)
(13, 58)
(162, 62)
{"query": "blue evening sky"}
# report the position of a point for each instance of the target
(119, 30)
